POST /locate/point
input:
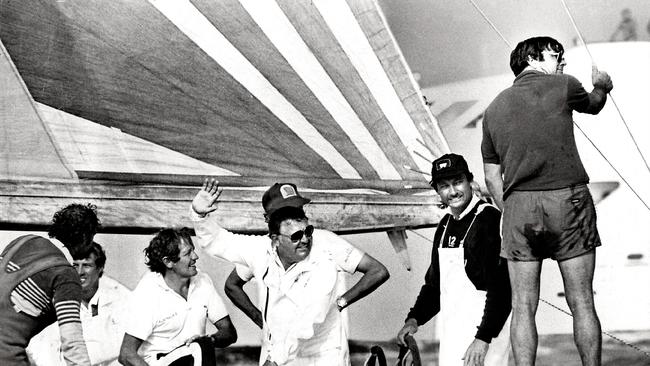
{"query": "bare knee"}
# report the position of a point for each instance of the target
(524, 303)
(577, 275)
(581, 303)
(524, 281)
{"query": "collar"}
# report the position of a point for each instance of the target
(528, 72)
(298, 266)
(303, 265)
(63, 250)
(159, 280)
(95, 299)
(468, 209)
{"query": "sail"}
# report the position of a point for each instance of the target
(166, 92)
(313, 91)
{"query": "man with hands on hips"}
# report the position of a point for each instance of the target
(298, 266)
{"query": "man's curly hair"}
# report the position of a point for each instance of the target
(75, 226)
(166, 244)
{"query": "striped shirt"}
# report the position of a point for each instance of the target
(31, 298)
(53, 293)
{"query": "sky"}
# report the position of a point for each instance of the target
(446, 41)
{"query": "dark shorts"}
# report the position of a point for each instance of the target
(558, 224)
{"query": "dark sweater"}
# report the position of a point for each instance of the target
(36, 270)
(528, 130)
(484, 268)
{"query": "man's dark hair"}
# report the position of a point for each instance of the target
(468, 175)
(166, 244)
(532, 47)
(75, 226)
(284, 213)
(100, 255)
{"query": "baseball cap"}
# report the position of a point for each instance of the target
(282, 195)
(447, 166)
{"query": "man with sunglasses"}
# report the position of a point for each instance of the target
(535, 175)
(298, 267)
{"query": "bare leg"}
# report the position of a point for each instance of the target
(524, 280)
(578, 275)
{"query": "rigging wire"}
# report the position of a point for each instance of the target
(582, 40)
(574, 123)
(491, 24)
(646, 354)
(592, 143)
(612, 166)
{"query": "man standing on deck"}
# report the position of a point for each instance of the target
(535, 175)
(467, 281)
(298, 266)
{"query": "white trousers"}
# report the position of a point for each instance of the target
(461, 312)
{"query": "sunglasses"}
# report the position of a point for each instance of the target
(297, 236)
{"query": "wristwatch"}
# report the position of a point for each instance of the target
(341, 302)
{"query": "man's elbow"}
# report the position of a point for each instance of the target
(382, 274)
(230, 336)
(230, 289)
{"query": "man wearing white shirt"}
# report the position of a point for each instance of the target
(170, 308)
(102, 313)
(298, 267)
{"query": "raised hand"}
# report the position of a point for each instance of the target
(205, 200)
(601, 80)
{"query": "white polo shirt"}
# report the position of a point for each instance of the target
(103, 332)
(301, 319)
(164, 320)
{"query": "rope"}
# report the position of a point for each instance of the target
(422, 236)
(574, 123)
(646, 354)
(582, 40)
(491, 24)
(611, 165)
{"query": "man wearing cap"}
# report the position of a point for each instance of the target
(474, 288)
(298, 267)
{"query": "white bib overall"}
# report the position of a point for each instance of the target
(461, 312)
